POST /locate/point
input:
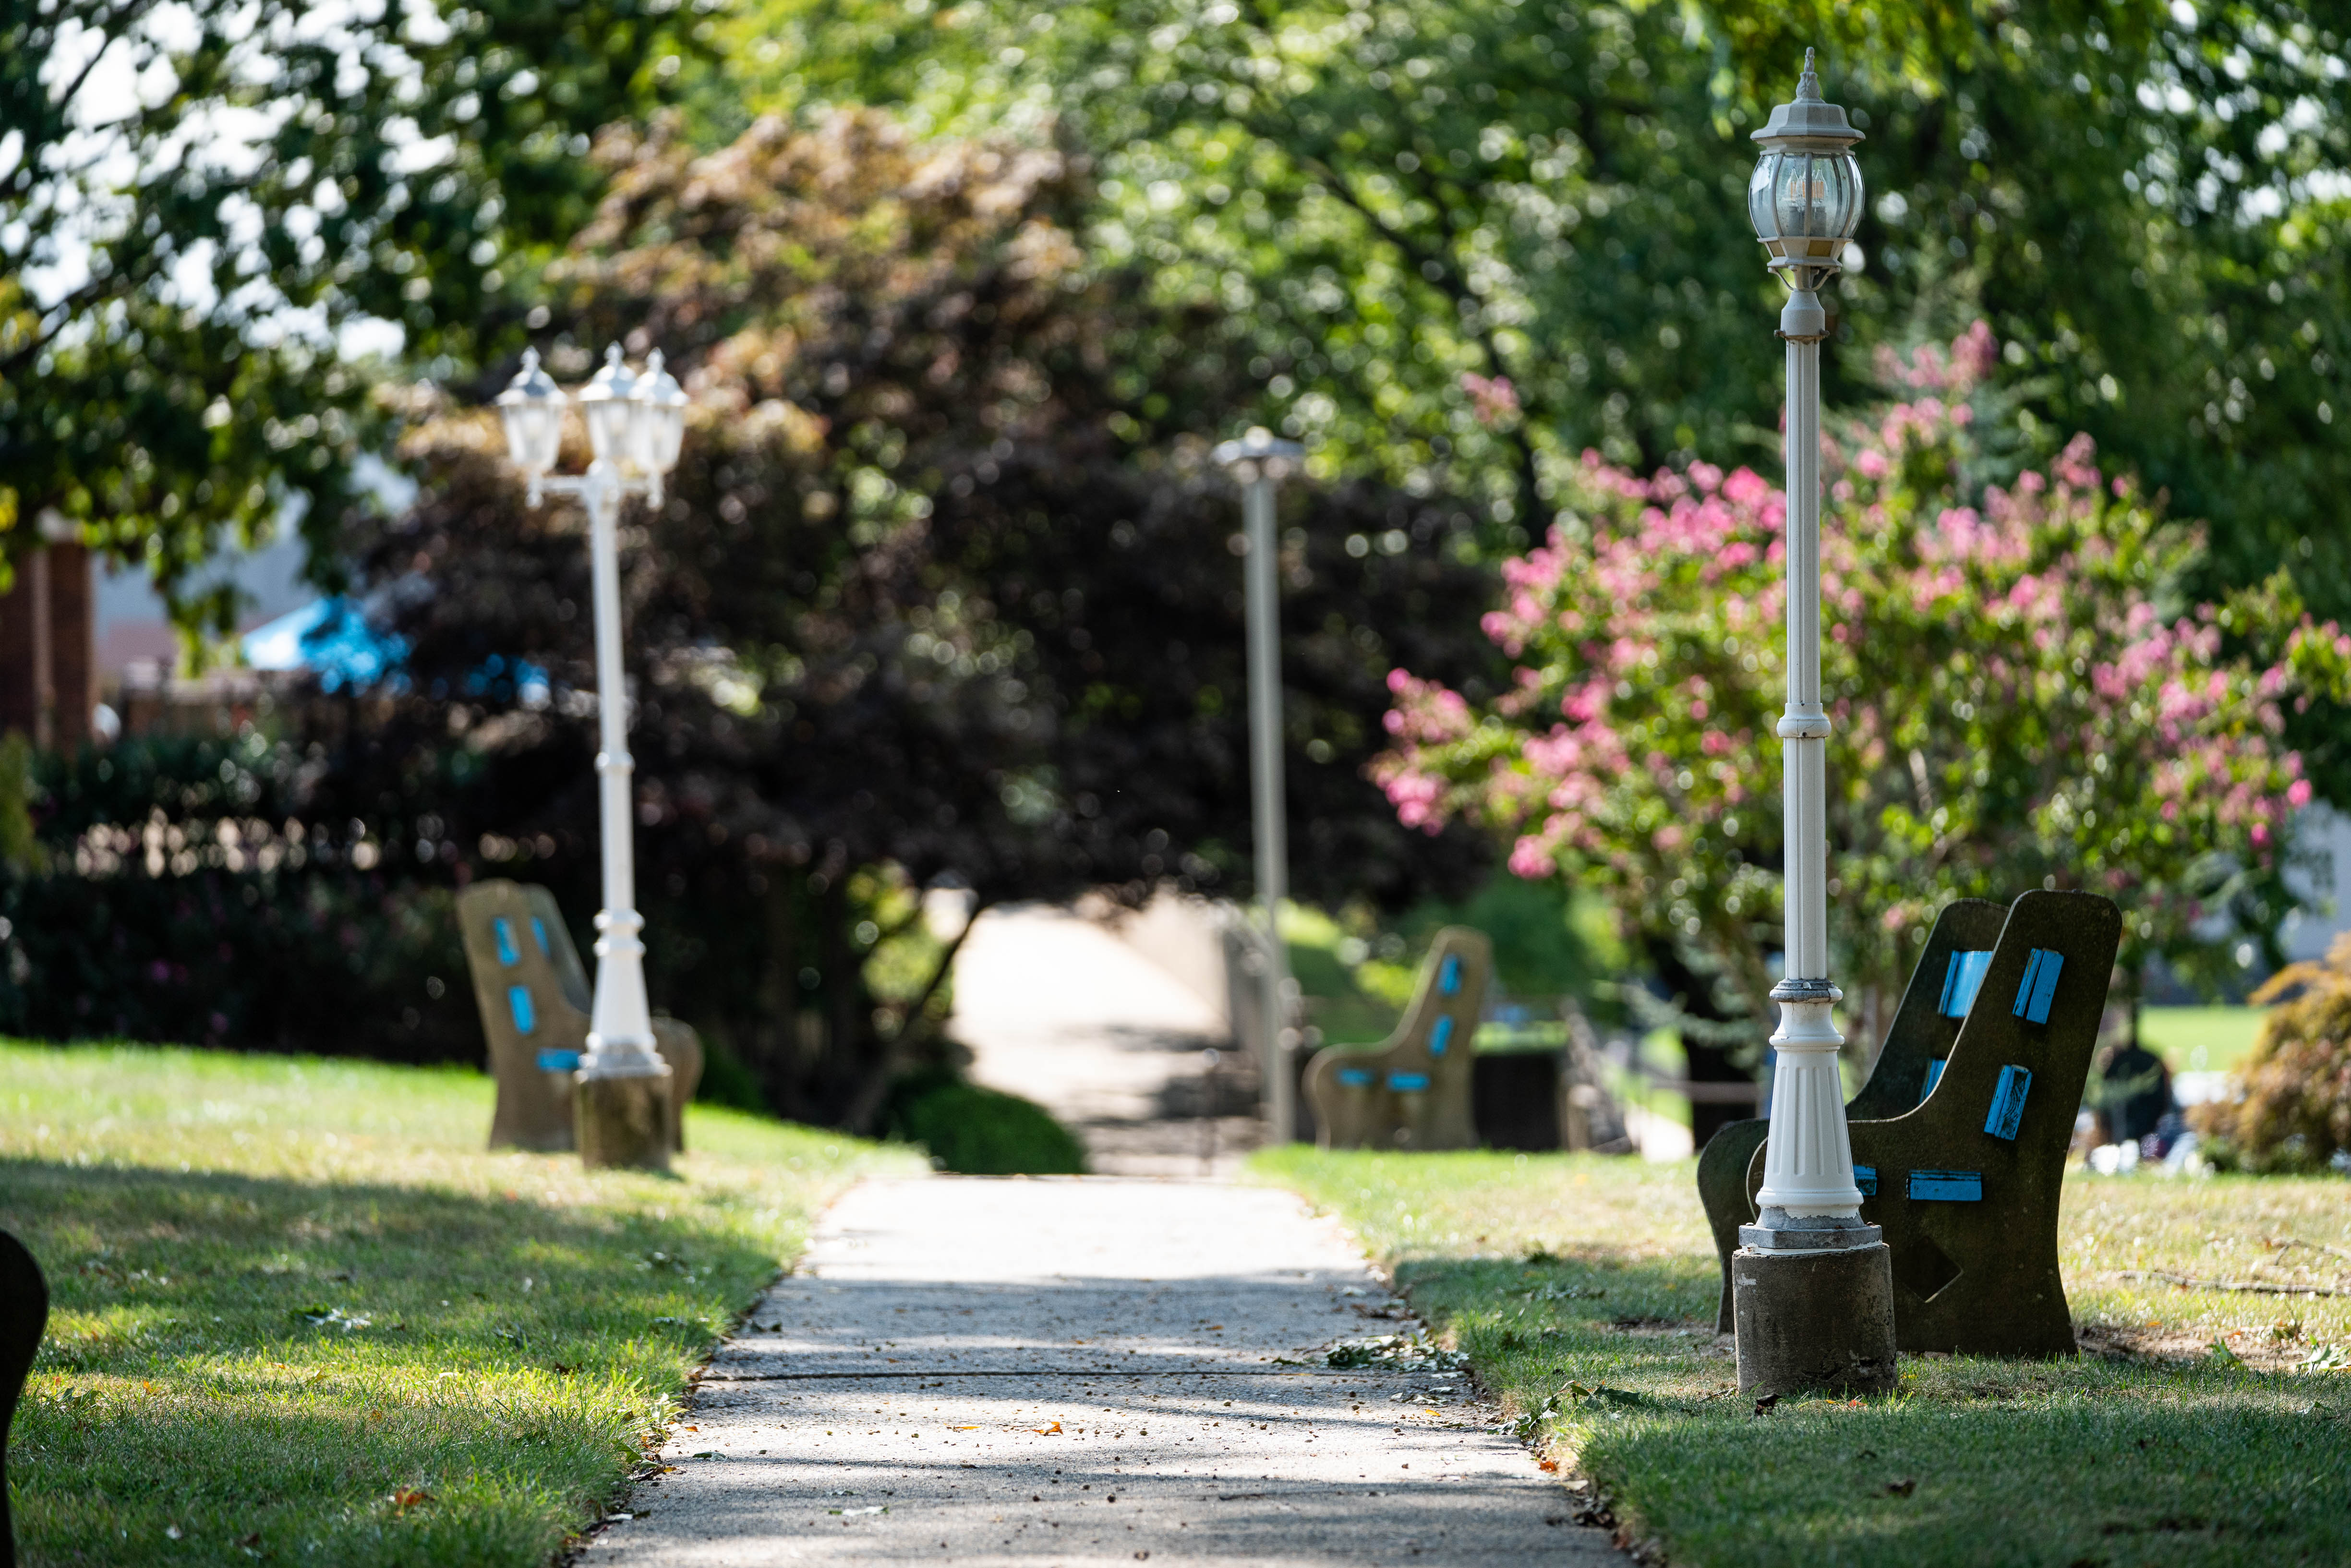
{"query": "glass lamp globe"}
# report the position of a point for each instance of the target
(657, 431)
(609, 409)
(532, 410)
(1804, 197)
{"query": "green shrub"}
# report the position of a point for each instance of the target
(2295, 1113)
(984, 1132)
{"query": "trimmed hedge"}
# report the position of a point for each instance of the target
(984, 1132)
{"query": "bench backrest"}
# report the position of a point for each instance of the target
(532, 993)
(1961, 1137)
(1414, 1089)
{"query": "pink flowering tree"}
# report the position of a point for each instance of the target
(2018, 701)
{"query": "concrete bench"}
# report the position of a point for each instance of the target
(1960, 1136)
(1413, 1090)
(535, 1001)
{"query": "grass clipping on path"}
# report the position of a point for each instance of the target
(298, 1315)
(2203, 1426)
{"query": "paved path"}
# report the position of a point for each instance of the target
(1087, 1371)
(1058, 1009)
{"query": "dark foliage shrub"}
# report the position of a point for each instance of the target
(2295, 1110)
(983, 1132)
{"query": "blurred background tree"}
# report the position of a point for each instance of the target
(937, 599)
(1412, 200)
(212, 214)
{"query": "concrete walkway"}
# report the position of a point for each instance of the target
(1058, 1009)
(1082, 1371)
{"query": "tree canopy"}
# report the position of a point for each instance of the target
(1410, 200)
(199, 204)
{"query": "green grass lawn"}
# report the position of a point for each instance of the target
(1583, 1290)
(2201, 1039)
(298, 1315)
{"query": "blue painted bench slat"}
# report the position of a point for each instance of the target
(2008, 1103)
(2039, 986)
(1946, 1187)
(1962, 981)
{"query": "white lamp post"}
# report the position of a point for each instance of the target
(636, 425)
(1812, 1286)
(1258, 460)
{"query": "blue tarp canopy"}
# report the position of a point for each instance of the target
(329, 637)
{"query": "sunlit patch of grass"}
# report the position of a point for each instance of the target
(2201, 1039)
(1583, 1290)
(299, 1314)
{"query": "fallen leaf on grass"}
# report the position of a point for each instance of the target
(410, 1497)
(1902, 1487)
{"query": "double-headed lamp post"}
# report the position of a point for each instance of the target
(1259, 460)
(1812, 1286)
(636, 424)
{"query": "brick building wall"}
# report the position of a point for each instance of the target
(46, 655)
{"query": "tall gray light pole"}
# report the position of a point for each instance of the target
(636, 425)
(1258, 460)
(1811, 1282)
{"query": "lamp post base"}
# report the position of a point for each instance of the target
(623, 1122)
(1814, 1320)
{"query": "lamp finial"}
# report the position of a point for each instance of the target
(1808, 85)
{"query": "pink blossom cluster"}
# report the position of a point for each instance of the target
(2003, 633)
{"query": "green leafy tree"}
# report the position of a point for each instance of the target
(197, 201)
(1473, 238)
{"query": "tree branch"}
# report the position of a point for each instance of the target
(862, 1106)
